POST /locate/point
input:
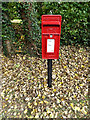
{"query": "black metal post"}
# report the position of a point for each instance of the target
(49, 72)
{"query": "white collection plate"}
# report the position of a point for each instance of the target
(50, 45)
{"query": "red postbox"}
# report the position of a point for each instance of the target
(51, 31)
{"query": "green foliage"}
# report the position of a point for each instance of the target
(74, 28)
(30, 28)
(36, 31)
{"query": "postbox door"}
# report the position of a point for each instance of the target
(51, 46)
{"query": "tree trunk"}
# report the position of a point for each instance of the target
(7, 42)
(29, 42)
(26, 19)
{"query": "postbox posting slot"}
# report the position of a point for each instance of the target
(51, 23)
(51, 28)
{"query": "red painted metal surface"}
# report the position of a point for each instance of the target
(51, 31)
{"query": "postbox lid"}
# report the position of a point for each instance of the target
(51, 18)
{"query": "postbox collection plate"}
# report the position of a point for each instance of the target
(51, 31)
(50, 45)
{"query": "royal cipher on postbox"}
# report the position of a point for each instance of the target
(51, 31)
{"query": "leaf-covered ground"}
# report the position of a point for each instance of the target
(25, 93)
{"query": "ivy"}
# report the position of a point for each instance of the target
(74, 28)
(74, 20)
(7, 30)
